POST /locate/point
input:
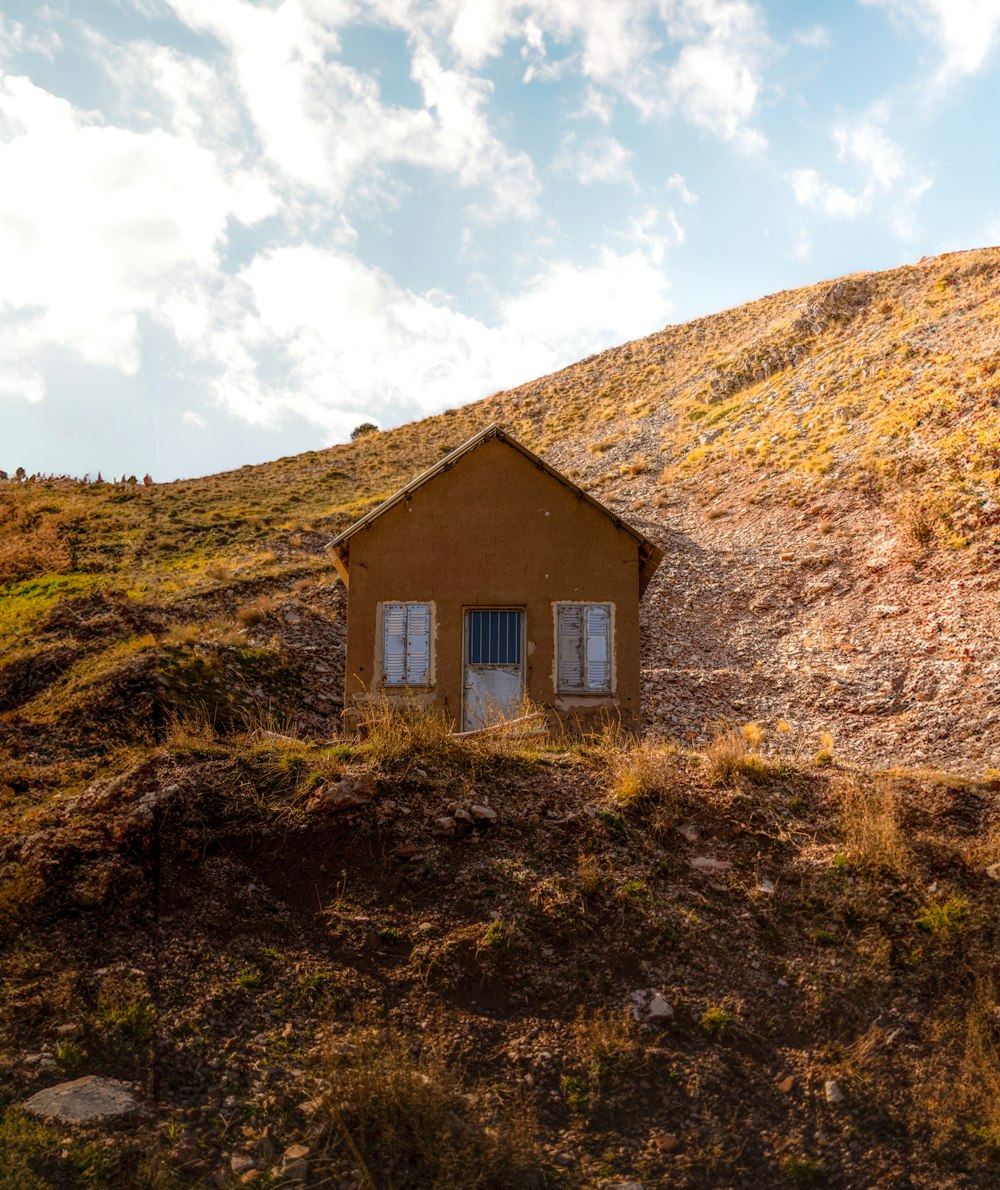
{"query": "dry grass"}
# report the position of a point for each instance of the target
(409, 1115)
(960, 1098)
(734, 756)
(609, 1052)
(395, 735)
(870, 825)
(591, 874)
(191, 734)
(40, 550)
(256, 612)
(985, 852)
(920, 517)
(647, 775)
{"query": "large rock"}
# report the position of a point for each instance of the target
(88, 1100)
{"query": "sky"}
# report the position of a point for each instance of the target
(232, 230)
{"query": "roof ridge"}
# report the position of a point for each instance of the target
(493, 430)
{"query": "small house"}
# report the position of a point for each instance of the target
(491, 578)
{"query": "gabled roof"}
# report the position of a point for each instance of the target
(650, 555)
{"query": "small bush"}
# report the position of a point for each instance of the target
(366, 427)
(396, 735)
(192, 735)
(125, 1010)
(802, 1171)
(944, 919)
(716, 1022)
(920, 518)
(71, 1058)
(590, 875)
(496, 937)
(824, 757)
(249, 979)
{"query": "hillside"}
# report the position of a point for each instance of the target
(821, 465)
(332, 959)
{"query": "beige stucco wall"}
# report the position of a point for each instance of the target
(495, 530)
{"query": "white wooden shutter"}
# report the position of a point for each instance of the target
(394, 644)
(418, 644)
(598, 648)
(569, 647)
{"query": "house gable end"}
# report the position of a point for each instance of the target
(494, 457)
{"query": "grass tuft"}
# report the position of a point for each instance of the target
(870, 824)
(734, 756)
(408, 1115)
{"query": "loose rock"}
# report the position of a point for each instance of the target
(709, 866)
(348, 793)
(294, 1165)
(84, 1101)
(649, 1005)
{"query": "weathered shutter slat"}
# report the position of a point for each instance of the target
(570, 648)
(418, 644)
(598, 649)
(394, 644)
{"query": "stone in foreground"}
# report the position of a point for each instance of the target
(88, 1100)
(649, 1005)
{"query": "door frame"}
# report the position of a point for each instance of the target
(493, 607)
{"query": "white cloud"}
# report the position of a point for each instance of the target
(866, 143)
(801, 248)
(679, 183)
(113, 220)
(716, 79)
(890, 185)
(20, 379)
(817, 37)
(964, 31)
(597, 159)
(16, 38)
(597, 106)
(350, 342)
(479, 29)
(322, 123)
(718, 91)
(97, 224)
(699, 58)
(812, 191)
